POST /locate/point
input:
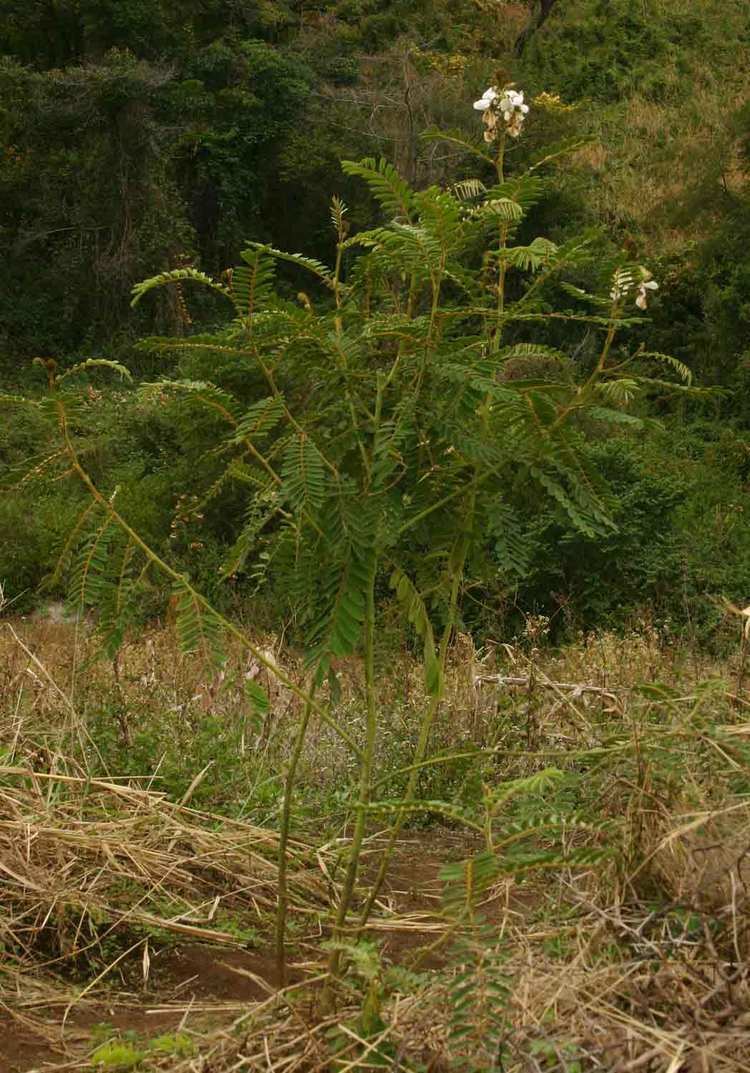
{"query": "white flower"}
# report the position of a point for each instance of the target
(642, 298)
(508, 104)
(486, 100)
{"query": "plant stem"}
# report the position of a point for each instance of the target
(424, 731)
(365, 771)
(286, 816)
(585, 388)
(182, 580)
(502, 244)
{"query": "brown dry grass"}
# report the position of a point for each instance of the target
(636, 964)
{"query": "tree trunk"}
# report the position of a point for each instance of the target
(536, 21)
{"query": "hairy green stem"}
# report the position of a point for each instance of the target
(585, 389)
(282, 904)
(502, 245)
(365, 773)
(424, 731)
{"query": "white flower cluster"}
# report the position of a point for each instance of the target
(625, 280)
(506, 104)
(643, 295)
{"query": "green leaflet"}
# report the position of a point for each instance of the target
(89, 576)
(199, 629)
(311, 264)
(391, 191)
(192, 393)
(178, 275)
(252, 284)
(338, 629)
(258, 699)
(260, 419)
(502, 208)
(303, 475)
(96, 363)
(416, 613)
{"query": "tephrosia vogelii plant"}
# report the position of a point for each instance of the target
(400, 408)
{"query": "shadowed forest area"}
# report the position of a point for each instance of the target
(374, 581)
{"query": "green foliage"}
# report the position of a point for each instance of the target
(479, 995)
(120, 1055)
(420, 432)
(117, 1056)
(417, 615)
(449, 425)
(588, 49)
(199, 631)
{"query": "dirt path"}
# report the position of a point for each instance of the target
(209, 979)
(198, 986)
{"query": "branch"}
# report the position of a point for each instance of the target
(535, 23)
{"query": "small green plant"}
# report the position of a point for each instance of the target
(117, 1056)
(172, 1044)
(479, 993)
(364, 981)
(122, 1054)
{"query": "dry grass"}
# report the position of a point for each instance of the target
(660, 169)
(636, 963)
